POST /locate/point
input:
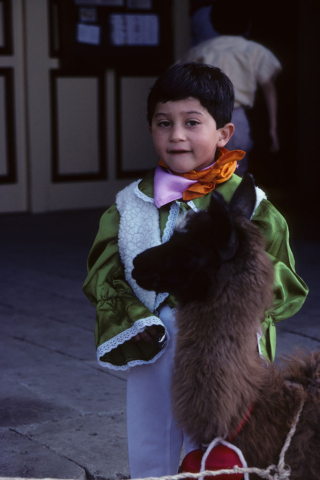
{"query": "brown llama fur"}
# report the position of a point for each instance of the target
(218, 371)
(219, 374)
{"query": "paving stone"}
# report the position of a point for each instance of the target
(62, 379)
(23, 457)
(97, 442)
(46, 294)
(287, 342)
(19, 405)
(49, 333)
(114, 373)
(305, 325)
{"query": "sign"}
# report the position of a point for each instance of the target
(134, 30)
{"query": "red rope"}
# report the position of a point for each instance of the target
(233, 435)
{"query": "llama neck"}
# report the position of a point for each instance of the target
(228, 362)
(217, 360)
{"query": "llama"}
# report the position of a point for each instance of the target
(216, 266)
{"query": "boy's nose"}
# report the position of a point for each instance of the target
(177, 134)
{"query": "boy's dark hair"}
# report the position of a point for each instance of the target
(208, 84)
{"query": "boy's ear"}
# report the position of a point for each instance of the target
(226, 133)
(150, 129)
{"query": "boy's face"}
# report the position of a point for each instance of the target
(185, 135)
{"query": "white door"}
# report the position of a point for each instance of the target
(81, 150)
(13, 145)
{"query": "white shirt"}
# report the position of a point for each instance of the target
(245, 62)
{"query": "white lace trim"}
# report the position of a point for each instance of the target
(133, 363)
(171, 222)
(124, 336)
(193, 206)
(160, 298)
(138, 327)
(142, 195)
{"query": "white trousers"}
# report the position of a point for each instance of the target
(154, 440)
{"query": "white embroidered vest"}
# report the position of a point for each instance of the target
(139, 229)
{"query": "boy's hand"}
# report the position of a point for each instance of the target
(149, 335)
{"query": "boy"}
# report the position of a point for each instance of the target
(189, 112)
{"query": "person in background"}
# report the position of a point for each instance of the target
(201, 28)
(248, 64)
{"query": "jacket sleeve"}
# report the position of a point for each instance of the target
(290, 291)
(120, 315)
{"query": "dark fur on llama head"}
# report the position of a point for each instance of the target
(201, 242)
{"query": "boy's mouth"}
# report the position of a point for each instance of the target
(179, 151)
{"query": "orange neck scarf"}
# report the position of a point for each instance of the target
(207, 179)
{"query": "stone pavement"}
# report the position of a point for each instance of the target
(61, 415)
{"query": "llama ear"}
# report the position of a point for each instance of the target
(244, 198)
(225, 238)
(219, 209)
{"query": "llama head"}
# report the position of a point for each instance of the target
(185, 266)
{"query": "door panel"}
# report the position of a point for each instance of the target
(13, 146)
(135, 149)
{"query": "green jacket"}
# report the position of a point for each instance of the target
(120, 313)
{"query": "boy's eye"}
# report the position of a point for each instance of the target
(192, 123)
(164, 123)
